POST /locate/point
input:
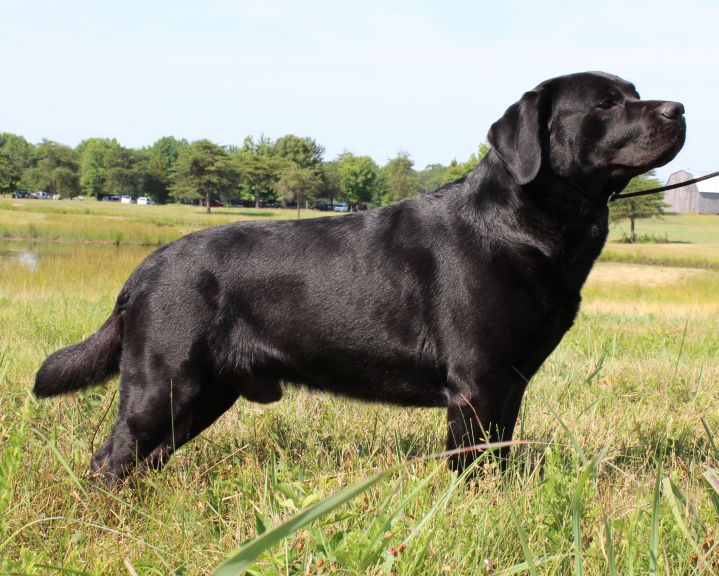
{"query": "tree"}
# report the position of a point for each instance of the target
(123, 172)
(263, 146)
(331, 183)
(257, 174)
(160, 162)
(456, 170)
(358, 178)
(204, 170)
(431, 178)
(298, 184)
(56, 170)
(639, 207)
(16, 155)
(93, 153)
(399, 179)
(304, 152)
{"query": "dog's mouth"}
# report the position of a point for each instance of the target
(669, 130)
(673, 142)
(658, 146)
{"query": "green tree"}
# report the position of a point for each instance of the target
(457, 170)
(93, 153)
(639, 207)
(123, 172)
(304, 152)
(431, 178)
(16, 156)
(204, 170)
(298, 184)
(399, 178)
(262, 146)
(161, 158)
(358, 178)
(257, 174)
(330, 181)
(56, 171)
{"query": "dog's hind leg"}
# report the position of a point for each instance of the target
(144, 417)
(158, 414)
(212, 401)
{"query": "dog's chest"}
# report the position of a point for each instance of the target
(581, 247)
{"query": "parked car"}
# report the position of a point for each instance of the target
(21, 194)
(342, 207)
(124, 199)
(40, 195)
(113, 198)
(145, 200)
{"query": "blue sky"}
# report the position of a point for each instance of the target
(370, 77)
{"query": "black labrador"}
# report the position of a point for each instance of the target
(452, 298)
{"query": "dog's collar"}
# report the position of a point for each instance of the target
(568, 184)
(617, 195)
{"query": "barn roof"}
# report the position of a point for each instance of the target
(710, 186)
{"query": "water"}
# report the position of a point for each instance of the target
(26, 257)
(34, 259)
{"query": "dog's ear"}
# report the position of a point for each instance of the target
(516, 136)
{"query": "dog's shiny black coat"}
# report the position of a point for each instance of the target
(452, 299)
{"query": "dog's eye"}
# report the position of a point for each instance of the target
(607, 103)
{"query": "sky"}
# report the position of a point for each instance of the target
(371, 77)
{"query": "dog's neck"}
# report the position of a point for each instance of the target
(548, 193)
(548, 214)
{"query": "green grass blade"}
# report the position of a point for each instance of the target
(576, 504)
(677, 503)
(411, 497)
(243, 558)
(711, 478)
(529, 559)
(524, 566)
(62, 461)
(246, 556)
(440, 503)
(61, 570)
(611, 554)
(572, 438)
(681, 349)
(710, 437)
(654, 534)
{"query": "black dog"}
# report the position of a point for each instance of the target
(452, 298)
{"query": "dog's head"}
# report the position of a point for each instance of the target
(591, 129)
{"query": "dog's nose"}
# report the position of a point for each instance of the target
(671, 110)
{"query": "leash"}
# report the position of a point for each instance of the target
(662, 188)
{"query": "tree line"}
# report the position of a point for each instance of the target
(290, 170)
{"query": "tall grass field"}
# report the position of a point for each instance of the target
(617, 472)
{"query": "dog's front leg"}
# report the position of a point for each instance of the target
(478, 416)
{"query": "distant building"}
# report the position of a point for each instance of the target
(699, 198)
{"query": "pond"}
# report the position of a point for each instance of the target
(47, 269)
(24, 256)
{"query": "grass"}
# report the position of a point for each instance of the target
(684, 240)
(121, 224)
(694, 228)
(617, 479)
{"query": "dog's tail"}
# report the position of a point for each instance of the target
(89, 362)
